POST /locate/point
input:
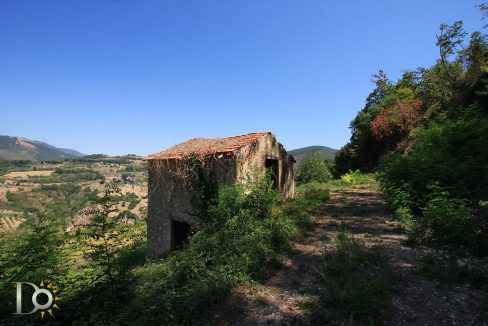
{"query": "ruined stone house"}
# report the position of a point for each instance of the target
(173, 202)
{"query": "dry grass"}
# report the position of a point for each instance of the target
(26, 174)
(9, 223)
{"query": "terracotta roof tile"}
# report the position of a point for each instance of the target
(206, 146)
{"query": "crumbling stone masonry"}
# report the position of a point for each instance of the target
(173, 203)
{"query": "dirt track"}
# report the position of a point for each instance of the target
(418, 300)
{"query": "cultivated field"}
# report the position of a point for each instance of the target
(28, 189)
(27, 174)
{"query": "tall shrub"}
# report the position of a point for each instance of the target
(312, 168)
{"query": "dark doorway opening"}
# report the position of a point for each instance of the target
(272, 169)
(179, 234)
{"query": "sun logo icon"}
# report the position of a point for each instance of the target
(52, 299)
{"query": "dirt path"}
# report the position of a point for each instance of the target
(286, 297)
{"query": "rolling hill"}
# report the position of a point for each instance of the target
(19, 148)
(323, 151)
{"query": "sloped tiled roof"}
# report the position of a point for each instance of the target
(206, 146)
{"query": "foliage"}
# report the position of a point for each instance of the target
(135, 168)
(442, 181)
(67, 175)
(311, 195)
(396, 122)
(87, 270)
(446, 219)
(364, 149)
(27, 256)
(102, 158)
(312, 168)
(359, 283)
(105, 279)
(11, 165)
(426, 135)
(357, 178)
(450, 270)
(245, 234)
(127, 197)
(204, 185)
(101, 239)
(98, 269)
(59, 201)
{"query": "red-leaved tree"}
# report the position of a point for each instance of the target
(392, 125)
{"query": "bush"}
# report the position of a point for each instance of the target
(356, 178)
(441, 182)
(431, 128)
(30, 256)
(312, 169)
(446, 219)
(246, 232)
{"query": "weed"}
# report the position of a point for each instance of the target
(261, 302)
(307, 304)
(450, 271)
(359, 283)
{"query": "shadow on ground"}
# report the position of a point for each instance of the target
(288, 297)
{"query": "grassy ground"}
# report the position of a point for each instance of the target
(358, 283)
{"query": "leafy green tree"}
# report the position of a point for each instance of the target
(426, 136)
(102, 240)
(450, 38)
(365, 148)
(312, 168)
(29, 255)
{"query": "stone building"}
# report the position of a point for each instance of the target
(173, 202)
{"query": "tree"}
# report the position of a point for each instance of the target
(395, 123)
(30, 255)
(312, 168)
(449, 39)
(102, 239)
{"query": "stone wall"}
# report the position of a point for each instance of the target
(171, 197)
(252, 158)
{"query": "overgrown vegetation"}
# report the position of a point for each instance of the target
(247, 231)
(61, 201)
(426, 135)
(85, 265)
(358, 284)
(205, 187)
(355, 178)
(311, 195)
(312, 169)
(102, 239)
(451, 271)
(63, 240)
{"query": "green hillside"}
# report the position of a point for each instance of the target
(324, 152)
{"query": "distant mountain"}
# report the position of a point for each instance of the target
(323, 151)
(71, 152)
(20, 148)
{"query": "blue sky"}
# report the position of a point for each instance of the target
(137, 76)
